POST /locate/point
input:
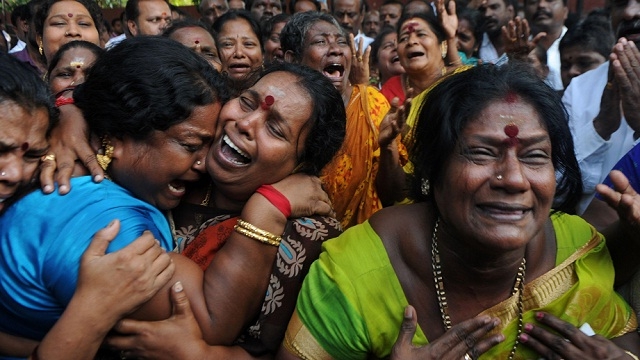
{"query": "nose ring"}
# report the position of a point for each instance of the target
(499, 177)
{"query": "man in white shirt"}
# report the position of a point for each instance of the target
(144, 17)
(496, 13)
(548, 16)
(604, 103)
(349, 14)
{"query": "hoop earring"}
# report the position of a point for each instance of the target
(444, 47)
(105, 158)
(40, 49)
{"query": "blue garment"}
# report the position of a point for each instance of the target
(628, 165)
(42, 238)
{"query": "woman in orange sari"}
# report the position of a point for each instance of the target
(366, 173)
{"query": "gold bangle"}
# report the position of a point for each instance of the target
(253, 228)
(633, 356)
(253, 232)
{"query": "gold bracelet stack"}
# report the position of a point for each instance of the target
(255, 233)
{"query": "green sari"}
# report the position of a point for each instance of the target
(351, 306)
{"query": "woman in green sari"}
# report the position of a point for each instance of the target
(506, 267)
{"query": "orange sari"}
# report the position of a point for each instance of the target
(349, 179)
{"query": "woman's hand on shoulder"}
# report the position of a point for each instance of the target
(124, 279)
(567, 341)
(178, 337)
(305, 194)
(466, 338)
(69, 142)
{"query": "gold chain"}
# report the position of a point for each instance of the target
(518, 287)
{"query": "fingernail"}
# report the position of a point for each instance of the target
(98, 178)
(177, 287)
(523, 338)
(48, 188)
(528, 327)
(539, 315)
(157, 241)
(64, 188)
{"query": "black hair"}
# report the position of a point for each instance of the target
(430, 19)
(474, 18)
(113, 22)
(406, 7)
(23, 86)
(132, 11)
(91, 6)
(439, 125)
(20, 12)
(236, 15)
(266, 26)
(377, 42)
(328, 118)
(316, 3)
(145, 84)
(364, 7)
(592, 33)
(181, 24)
(95, 49)
(293, 35)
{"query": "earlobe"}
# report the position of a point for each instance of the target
(288, 57)
(131, 25)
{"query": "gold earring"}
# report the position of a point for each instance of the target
(104, 159)
(425, 187)
(444, 47)
(40, 48)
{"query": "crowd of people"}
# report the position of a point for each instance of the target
(320, 180)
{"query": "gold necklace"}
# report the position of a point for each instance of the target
(518, 287)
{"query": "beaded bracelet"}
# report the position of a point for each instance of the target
(255, 233)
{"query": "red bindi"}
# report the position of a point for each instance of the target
(24, 146)
(197, 42)
(70, 15)
(511, 97)
(511, 130)
(268, 101)
(410, 27)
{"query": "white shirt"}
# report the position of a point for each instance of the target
(367, 40)
(19, 47)
(596, 156)
(553, 62)
(489, 54)
(115, 41)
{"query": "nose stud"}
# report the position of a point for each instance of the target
(198, 162)
(3, 174)
(499, 177)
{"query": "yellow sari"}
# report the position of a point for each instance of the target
(349, 179)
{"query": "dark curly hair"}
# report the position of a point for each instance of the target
(21, 85)
(327, 121)
(95, 49)
(293, 35)
(440, 125)
(145, 84)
